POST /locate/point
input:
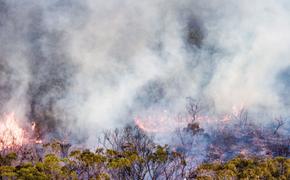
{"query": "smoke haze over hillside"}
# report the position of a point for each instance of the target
(91, 65)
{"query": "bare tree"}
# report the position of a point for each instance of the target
(193, 108)
(280, 123)
(152, 161)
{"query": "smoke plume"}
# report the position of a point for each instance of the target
(85, 66)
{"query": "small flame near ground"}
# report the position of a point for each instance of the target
(164, 122)
(13, 134)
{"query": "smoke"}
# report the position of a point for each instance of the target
(257, 41)
(85, 66)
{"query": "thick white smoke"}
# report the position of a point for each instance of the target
(254, 36)
(91, 65)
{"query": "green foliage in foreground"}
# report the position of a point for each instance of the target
(111, 164)
(245, 168)
(101, 164)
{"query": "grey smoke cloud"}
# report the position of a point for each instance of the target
(90, 65)
(257, 40)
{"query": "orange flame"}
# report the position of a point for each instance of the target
(162, 122)
(11, 134)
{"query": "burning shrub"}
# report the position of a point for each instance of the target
(129, 153)
(132, 152)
